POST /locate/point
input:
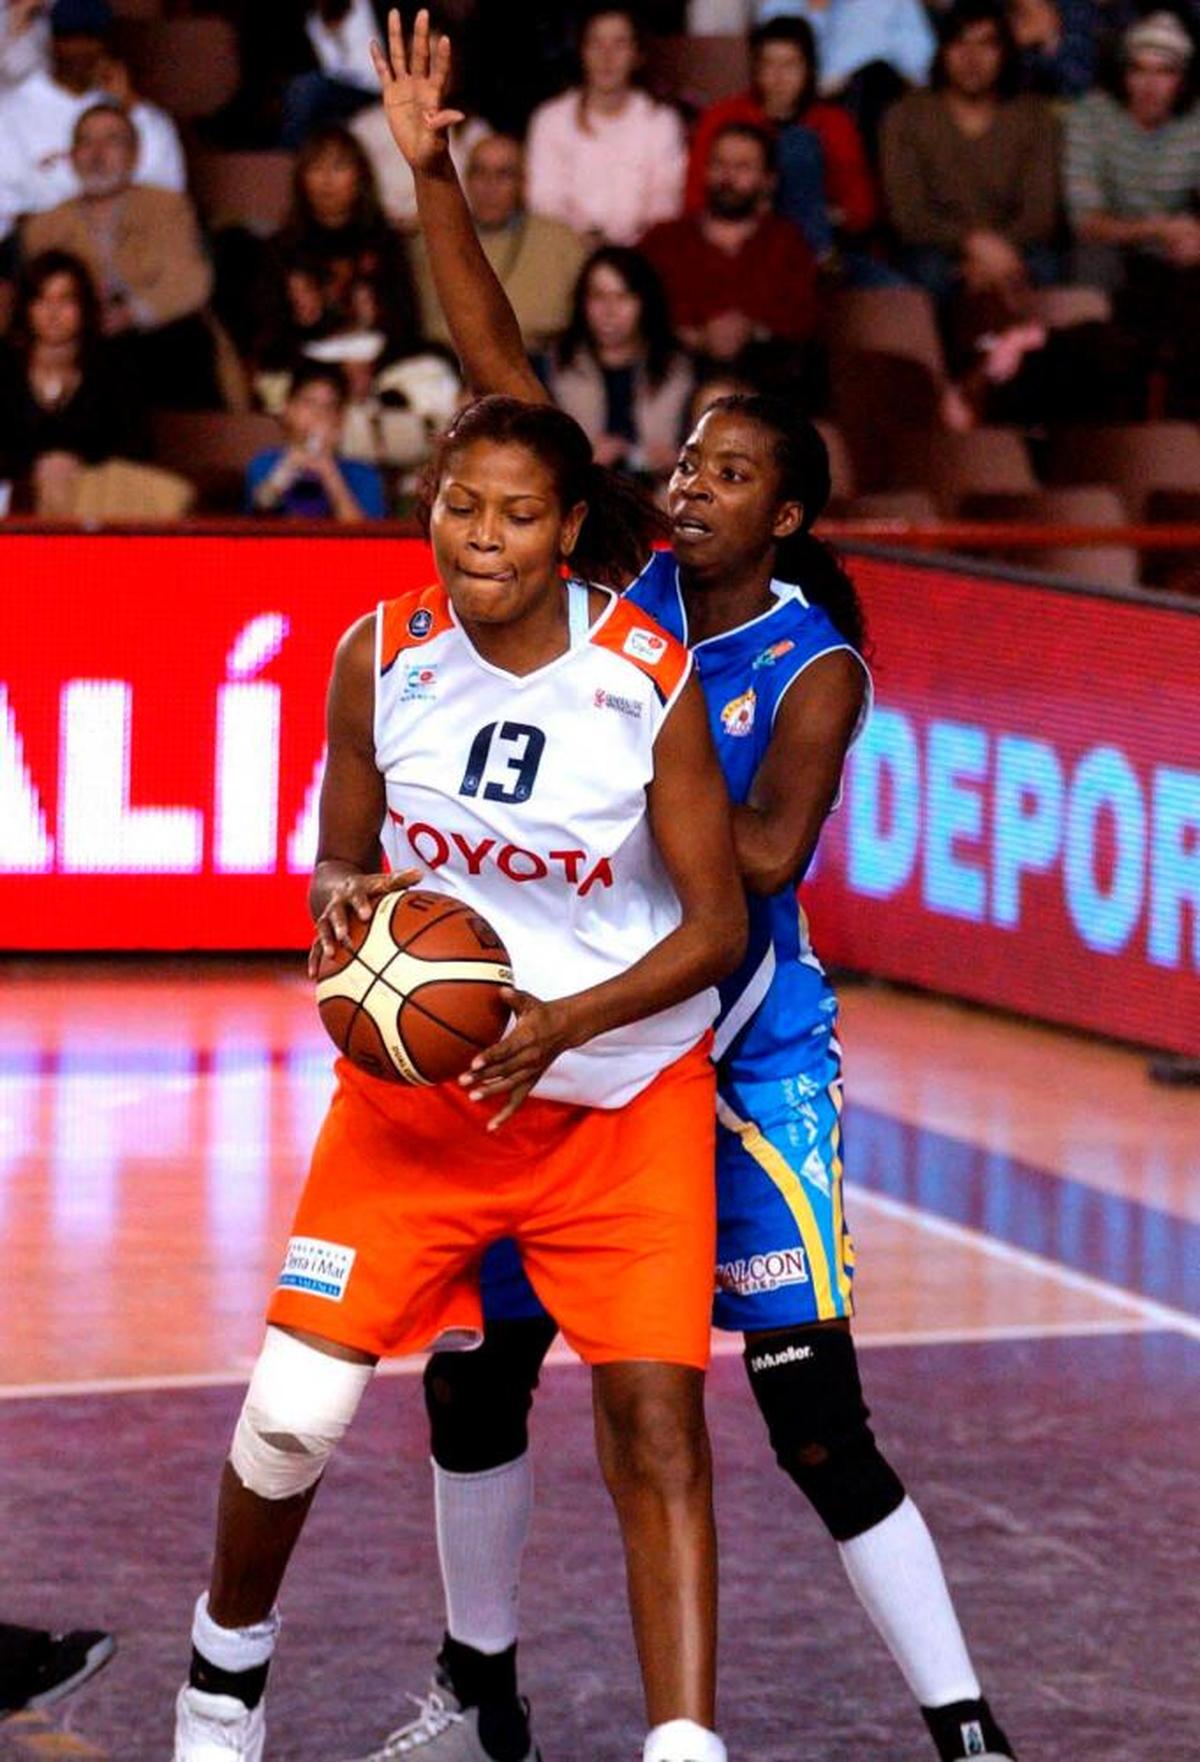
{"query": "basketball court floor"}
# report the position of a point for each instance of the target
(1026, 1207)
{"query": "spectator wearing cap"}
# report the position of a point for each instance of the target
(970, 168)
(537, 260)
(38, 117)
(604, 157)
(143, 249)
(1133, 196)
(737, 273)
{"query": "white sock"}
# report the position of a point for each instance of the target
(233, 1648)
(898, 1579)
(482, 1523)
(682, 1740)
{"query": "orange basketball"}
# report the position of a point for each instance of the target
(418, 994)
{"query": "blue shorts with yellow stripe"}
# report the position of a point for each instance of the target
(784, 1255)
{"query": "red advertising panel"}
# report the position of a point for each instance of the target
(1021, 821)
(161, 731)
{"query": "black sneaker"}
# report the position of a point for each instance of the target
(37, 1669)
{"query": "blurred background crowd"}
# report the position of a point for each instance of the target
(965, 236)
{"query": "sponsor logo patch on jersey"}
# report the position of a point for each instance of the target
(644, 645)
(769, 656)
(763, 1272)
(737, 718)
(421, 622)
(609, 700)
(321, 1268)
(419, 684)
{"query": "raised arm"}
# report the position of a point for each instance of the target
(483, 326)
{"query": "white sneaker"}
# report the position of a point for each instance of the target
(443, 1729)
(217, 1728)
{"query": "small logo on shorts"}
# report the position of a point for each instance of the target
(972, 1739)
(421, 622)
(763, 1272)
(322, 1268)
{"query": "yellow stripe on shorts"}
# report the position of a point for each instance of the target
(791, 1190)
(843, 1247)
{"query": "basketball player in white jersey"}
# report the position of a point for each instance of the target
(541, 748)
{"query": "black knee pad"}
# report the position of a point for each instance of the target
(807, 1387)
(478, 1402)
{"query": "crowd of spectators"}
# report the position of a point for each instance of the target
(982, 151)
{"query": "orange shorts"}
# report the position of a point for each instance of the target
(614, 1212)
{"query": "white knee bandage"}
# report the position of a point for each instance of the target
(296, 1410)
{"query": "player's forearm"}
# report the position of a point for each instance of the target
(701, 952)
(770, 856)
(482, 324)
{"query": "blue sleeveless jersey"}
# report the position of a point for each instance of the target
(778, 1010)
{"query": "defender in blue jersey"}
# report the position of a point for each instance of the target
(777, 633)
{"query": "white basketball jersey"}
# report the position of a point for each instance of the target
(526, 798)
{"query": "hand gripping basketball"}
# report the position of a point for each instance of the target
(539, 1033)
(357, 895)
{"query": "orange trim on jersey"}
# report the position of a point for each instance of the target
(630, 633)
(411, 620)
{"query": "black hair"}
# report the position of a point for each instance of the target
(754, 132)
(803, 462)
(799, 33)
(959, 19)
(622, 523)
(368, 214)
(601, 9)
(654, 322)
(33, 278)
(309, 372)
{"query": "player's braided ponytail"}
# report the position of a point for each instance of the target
(803, 461)
(622, 522)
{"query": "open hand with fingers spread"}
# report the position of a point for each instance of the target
(413, 88)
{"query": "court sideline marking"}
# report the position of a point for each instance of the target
(724, 1346)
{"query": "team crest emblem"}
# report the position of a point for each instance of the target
(769, 656)
(421, 622)
(737, 718)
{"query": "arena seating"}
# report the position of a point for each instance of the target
(189, 66)
(242, 189)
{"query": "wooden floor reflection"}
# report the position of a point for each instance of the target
(155, 1124)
